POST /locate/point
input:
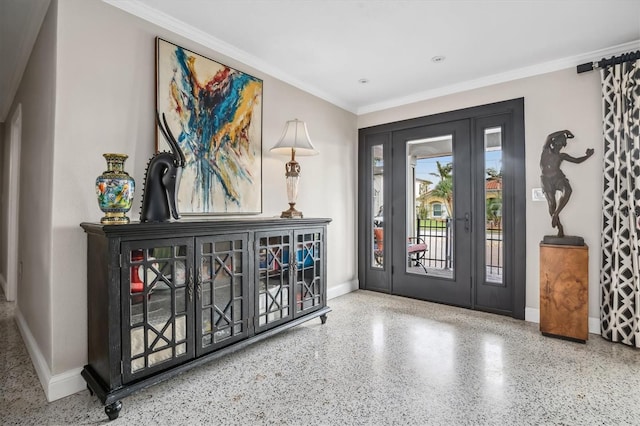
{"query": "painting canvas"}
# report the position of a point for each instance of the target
(215, 113)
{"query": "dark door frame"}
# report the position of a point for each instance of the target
(514, 195)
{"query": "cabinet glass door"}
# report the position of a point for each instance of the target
(221, 291)
(273, 285)
(157, 294)
(308, 270)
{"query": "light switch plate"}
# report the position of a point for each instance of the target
(537, 194)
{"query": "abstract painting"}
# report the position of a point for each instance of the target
(216, 114)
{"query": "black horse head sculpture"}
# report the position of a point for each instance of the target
(162, 180)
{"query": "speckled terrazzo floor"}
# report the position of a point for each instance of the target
(378, 360)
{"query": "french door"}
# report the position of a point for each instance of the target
(440, 219)
(445, 278)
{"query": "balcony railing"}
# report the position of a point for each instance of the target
(438, 235)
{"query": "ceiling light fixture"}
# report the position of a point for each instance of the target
(438, 58)
(363, 81)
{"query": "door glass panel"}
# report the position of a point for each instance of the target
(493, 201)
(157, 305)
(377, 202)
(430, 230)
(273, 275)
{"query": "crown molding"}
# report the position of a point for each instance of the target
(32, 29)
(516, 74)
(143, 11)
(161, 19)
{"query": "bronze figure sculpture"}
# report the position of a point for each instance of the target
(553, 179)
(162, 180)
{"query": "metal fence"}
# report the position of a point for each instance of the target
(438, 236)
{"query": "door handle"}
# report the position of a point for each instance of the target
(467, 221)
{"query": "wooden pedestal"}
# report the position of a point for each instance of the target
(564, 286)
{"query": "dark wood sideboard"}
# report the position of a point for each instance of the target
(167, 297)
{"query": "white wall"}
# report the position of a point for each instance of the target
(36, 93)
(106, 103)
(554, 101)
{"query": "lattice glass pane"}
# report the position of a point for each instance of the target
(237, 309)
(206, 321)
(160, 253)
(222, 246)
(237, 287)
(206, 294)
(181, 299)
(237, 329)
(181, 328)
(161, 356)
(237, 262)
(220, 335)
(180, 251)
(180, 273)
(207, 248)
(181, 349)
(159, 309)
(206, 340)
(237, 244)
(137, 341)
(136, 310)
(137, 364)
(262, 257)
(262, 303)
(205, 268)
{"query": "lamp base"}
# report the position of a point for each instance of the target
(292, 212)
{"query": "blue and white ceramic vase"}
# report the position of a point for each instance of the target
(115, 188)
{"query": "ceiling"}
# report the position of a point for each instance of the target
(327, 47)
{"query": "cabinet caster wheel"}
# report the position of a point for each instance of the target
(113, 410)
(323, 318)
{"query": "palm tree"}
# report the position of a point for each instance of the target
(493, 206)
(423, 193)
(444, 188)
(492, 173)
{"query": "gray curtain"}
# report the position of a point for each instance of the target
(620, 268)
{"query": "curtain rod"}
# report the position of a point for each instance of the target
(625, 57)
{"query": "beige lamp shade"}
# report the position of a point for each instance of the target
(295, 136)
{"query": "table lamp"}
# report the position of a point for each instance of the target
(294, 140)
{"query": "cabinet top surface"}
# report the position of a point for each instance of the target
(203, 225)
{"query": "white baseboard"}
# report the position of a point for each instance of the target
(55, 387)
(533, 315)
(342, 289)
(65, 384)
